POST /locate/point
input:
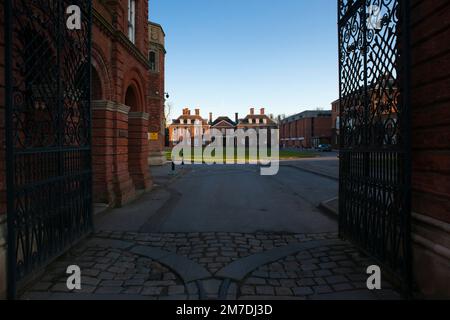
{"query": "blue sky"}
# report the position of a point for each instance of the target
(225, 56)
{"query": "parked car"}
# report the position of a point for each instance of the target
(325, 148)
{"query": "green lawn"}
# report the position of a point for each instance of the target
(284, 155)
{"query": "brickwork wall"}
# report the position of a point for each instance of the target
(430, 77)
(431, 108)
(302, 128)
(138, 146)
(119, 146)
(156, 104)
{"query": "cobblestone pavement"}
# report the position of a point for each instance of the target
(120, 265)
(323, 270)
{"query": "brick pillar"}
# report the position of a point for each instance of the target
(156, 156)
(138, 150)
(112, 181)
(430, 83)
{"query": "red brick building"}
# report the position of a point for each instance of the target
(121, 85)
(127, 91)
(307, 129)
(335, 124)
(157, 95)
(192, 123)
(430, 98)
(256, 121)
(120, 90)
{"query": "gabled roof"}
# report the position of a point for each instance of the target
(223, 119)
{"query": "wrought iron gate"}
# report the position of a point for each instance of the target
(48, 132)
(374, 115)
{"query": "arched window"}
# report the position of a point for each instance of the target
(153, 61)
(132, 20)
(96, 87)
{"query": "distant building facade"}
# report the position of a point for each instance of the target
(307, 129)
(335, 124)
(256, 121)
(193, 123)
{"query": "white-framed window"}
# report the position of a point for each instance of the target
(132, 20)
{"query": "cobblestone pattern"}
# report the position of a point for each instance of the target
(115, 271)
(311, 273)
(112, 271)
(215, 250)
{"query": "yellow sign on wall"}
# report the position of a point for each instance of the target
(154, 136)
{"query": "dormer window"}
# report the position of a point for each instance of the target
(132, 20)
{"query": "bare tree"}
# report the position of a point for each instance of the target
(168, 107)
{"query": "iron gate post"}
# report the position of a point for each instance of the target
(375, 163)
(11, 266)
(48, 134)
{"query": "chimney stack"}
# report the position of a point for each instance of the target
(263, 111)
(210, 117)
(252, 111)
(236, 115)
(197, 112)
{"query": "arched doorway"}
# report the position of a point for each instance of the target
(131, 99)
(137, 139)
(96, 85)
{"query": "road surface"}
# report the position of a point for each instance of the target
(239, 199)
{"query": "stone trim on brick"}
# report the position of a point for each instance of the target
(112, 106)
(432, 234)
(139, 115)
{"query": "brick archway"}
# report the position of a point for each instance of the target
(137, 136)
(101, 70)
(96, 86)
(132, 98)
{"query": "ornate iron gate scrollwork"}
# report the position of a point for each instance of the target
(375, 161)
(48, 132)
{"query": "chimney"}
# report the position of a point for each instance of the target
(210, 117)
(252, 111)
(263, 111)
(197, 112)
(236, 117)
